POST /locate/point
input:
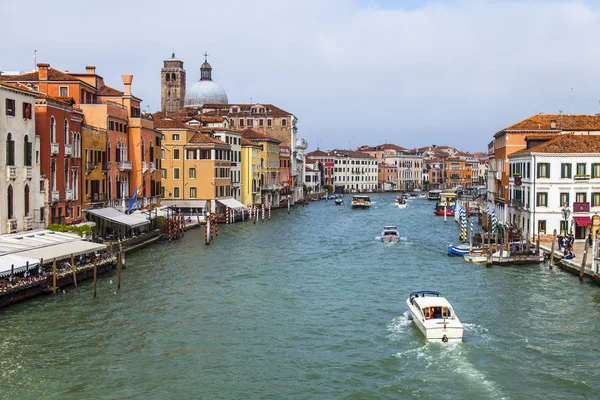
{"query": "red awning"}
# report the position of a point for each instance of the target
(583, 221)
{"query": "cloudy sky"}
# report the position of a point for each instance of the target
(413, 73)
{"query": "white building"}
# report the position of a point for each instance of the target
(298, 168)
(354, 170)
(410, 168)
(560, 174)
(312, 176)
(234, 138)
(21, 191)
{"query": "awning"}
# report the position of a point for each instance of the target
(118, 217)
(8, 261)
(63, 250)
(184, 203)
(583, 221)
(232, 203)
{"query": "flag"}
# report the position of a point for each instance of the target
(133, 200)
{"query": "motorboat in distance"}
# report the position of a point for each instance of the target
(390, 234)
(339, 202)
(361, 201)
(401, 202)
(434, 316)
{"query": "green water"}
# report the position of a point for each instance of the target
(306, 306)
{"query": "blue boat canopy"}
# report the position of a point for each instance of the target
(424, 292)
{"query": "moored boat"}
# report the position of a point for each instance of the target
(390, 234)
(361, 201)
(434, 316)
(475, 258)
(439, 210)
(434, 194)
(463, 249)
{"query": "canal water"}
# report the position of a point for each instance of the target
(307, 305)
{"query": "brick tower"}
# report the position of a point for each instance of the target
(172, 85)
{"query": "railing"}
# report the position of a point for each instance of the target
(582, 177)
(54, 196)
(68, 149)
(54, 148)
(125, 165)
(11, 226)
(99, 197)
(144, 166)
(90, 166)
(152, 166)
(580, 206)
(517, 203)
(11, 172)
(69, 194)
(28, 172)
(27, 223)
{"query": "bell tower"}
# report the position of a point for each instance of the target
(172, 85)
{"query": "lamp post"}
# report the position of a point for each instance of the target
(566, 212)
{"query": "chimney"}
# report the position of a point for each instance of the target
(127, 82)
(43, 71)
(90, 70)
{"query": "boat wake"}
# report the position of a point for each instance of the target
(399, 326)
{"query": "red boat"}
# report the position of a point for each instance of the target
(440, 212)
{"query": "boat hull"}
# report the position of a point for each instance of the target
(449, 213)
(475, 258)
(437, 330)
(462, 250)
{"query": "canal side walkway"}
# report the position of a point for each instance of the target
(574, 265)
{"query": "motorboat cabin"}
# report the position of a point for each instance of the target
(434, 316)
(390, 234)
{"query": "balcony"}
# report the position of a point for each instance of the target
(11, 225)
(69, 194)
(144, 166)
(54, 149)
(152, 167)
(90, 166)
(68, 149)
(28, 172)
(11, 172)
(125, 166)
(27, 223)
(581, 207)
(582, 177)
(516, 203)
(105, 167)
(97, 197)
(54, 196)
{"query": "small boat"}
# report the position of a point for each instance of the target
(339, 202)
(434, 316)
(390, 234)
(475, 258)
(401, 202)
(439, 210)
(434, 194)
(463, 249)
(361, 201)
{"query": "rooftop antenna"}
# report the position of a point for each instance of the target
(571, 101)
(34, 60)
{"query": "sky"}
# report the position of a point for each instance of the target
(354, 72)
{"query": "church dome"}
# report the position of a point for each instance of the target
(205, 91)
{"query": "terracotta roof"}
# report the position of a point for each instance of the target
(204, 139)
(540, 136)
(349, 153)
(317, 153)
(270, 110)
(20, 86)
(53, 75)
(108, 91)
(463, 154)
(255, 135)
(166, 123)
(544, 122)
(566, 144)
(246, 142)
(211, 119)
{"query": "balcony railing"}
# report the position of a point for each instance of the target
(517, 203)
(125, 165)
(28, 172)
(68, 149)
(582, 177)
(11, 225)
(54, 196)
(54, 148)
(144, 166)
(580, 206)
(27, 223)
(95, 197)
(152, 167)
(90, 166)
(69, 194)
(11, 172)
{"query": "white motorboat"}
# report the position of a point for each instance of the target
(401, 202)
(434, 316)
(361, 201)
(475, 258)
(390, 234)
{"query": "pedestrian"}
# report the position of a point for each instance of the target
(560, 242)
(571, 241)
(590, 240)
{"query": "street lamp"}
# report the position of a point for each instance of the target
(566, 212)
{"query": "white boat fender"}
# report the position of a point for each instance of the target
(445, 339)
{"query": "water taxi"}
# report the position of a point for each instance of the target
(401, 202)
(361, 201)
(434, 316)
(390, 234)
(434, 194)
(339, 202)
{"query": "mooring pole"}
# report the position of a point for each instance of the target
(582, 270)
(54, 277)
(552, 249)
(95, 274)
(119, 271)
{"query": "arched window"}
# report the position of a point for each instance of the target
(10, 150)
(108, 151)
(9, 197)
(66, 181)
(27, 151)
(66, 131)
(168, 77)
(143, 153)
(52, 130)
(26, 200)
(53, 175)
(173, 77)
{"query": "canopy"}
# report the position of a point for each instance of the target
(20, 263)
(62, 250)
(118, 217)
(232, 203)
(583, 221)
(184, 203)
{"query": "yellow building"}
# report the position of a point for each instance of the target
(95, 167)
(196, 169)
(251, 172)
(269, 165)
